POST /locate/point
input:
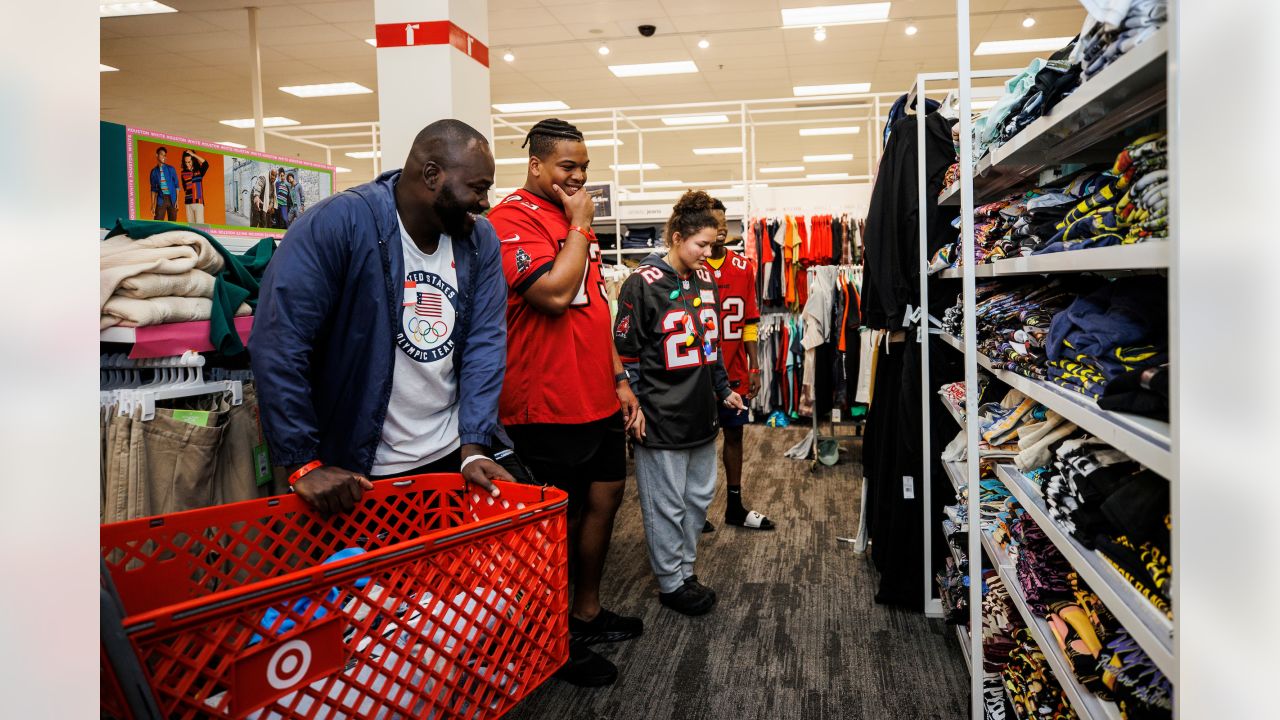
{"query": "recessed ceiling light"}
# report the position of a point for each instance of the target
(838, 157)
(604, 142)
(718, 151)
(835, 15)
(911, 29)
(511, 161)
(121, 9)
(509, 56)
(782, 169)
(662, 183)
(845, 130)
(371, 41)
(695, 119)
(1007, 47)
(365, 154)
(630, 167)
(267, 122)
(339, 168)
(1028, 21)
(838, 89)
(326, 89)
(704, 43)
(228, 143)
(819, 33)
(659, 68)
(603, 49)
(107, 68)
(530, 106)
(827, 176)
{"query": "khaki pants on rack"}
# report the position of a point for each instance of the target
(159, 466)
(235, 478)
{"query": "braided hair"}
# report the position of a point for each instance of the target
(542, 137)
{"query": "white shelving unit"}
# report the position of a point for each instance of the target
(1086, 128)
(1144, 621)
(1151, 255)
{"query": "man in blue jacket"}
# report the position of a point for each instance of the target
(164, 188)
(379, 343)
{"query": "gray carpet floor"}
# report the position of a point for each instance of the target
(796, 633)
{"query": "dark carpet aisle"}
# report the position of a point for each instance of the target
(796, 633)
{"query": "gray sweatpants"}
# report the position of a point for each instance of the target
(676, 486)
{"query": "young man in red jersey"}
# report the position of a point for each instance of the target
(739, 322)
(566, 402)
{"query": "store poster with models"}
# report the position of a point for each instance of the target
(217, 187)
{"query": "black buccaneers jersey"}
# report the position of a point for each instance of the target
(668, 325)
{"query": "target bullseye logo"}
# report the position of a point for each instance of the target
(289, 664)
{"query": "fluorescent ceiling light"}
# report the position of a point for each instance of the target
(695, 120)
(835, 15)
(511, 161)
(273, 121)
(659, 68)
(839, 157)
(827, 176)
(373, 42)
(121, 9)
(107, 68)
(628, 167)
(541, 105)
(603, 142)
(982, 104)
(839, 89)
(846, 130)
(364, 154)
(662, 183)
(782, 169)
(339, 168)
(1007, 47)
(326, 89)
(718, 151)
(228, 143)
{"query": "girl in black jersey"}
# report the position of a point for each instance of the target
(668, 339)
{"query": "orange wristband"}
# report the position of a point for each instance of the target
(302, 471)
(586, 232)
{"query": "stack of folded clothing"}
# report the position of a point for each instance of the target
(153, 273)
(1132, 205)
(999, 620)
(1140, 689)
(1056, 80)
(989, 227)
(1042, 570)
(1115, 28)
(953, 590)
(986, 129)
(1143, 392)
(1118, 328)
(1014, 325)
(1032, 687)
(1078, 624)
(637, 238)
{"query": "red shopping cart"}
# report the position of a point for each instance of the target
(431, 600)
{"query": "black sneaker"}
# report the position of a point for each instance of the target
(707, 527)
(693, 580)
(605, 627)
(690, 599)
(586, 668)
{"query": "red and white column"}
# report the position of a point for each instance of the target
(433, 63)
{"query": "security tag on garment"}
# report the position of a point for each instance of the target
(199, 418)
(908, 487)
(835, 415)
(261, 465)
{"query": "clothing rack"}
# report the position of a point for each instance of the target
(178, 376)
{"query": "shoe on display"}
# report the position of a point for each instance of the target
(585, 667)
(707, 527)
(605, 627)
(689, 599)
(751, 520)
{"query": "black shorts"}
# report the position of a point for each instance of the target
(571, 457)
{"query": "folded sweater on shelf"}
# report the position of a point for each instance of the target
(133, 312)
(169, 253)
(192, 284)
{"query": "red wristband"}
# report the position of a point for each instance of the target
(755, 371)
(302, 471)
(587, 233)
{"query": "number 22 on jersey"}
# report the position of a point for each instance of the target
(678, 352)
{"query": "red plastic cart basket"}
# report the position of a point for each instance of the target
(446, 603)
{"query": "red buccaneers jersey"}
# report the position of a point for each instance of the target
(736, 279)
(559, 368)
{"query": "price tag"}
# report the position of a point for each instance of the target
(908, 487)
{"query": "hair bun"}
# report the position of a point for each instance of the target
(693, 201)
